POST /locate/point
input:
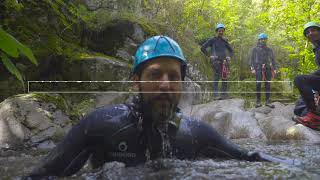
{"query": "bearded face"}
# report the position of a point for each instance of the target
(313, 34)
(160, 88)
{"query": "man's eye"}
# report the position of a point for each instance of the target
(154, 74)
(174, 77)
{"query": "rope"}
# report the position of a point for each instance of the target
(264, 71)
(225, 70)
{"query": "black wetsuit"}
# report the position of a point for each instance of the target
(262, 57)
(307, 83)
(300, 108)
(116, 133)
(221, 48)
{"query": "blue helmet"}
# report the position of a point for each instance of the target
(262, 36)
(158, 46)
(220, 26)
(309, 25)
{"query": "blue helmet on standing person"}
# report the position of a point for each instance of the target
(220, 25)
(310, 25)
(262, 36)
(158, 46)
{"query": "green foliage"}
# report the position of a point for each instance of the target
(190, 22)
(11, 67)
(55, 99)
(9, 46)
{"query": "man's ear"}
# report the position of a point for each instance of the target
(135, 78)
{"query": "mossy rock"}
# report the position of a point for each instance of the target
(113, 36)
(55, 99)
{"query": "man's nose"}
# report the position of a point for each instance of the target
(309, 32)
(164, 84)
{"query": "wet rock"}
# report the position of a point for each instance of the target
(262, 109)
(228, 117)
(46, 145)
(25, 118)
(127, 51)
(109, 98)
(117, 35)
(12, 132)
(282, 110)
(275, 127)
(300, 132)
(221, 120)
(113, 169)
(97, 68)
(258, 115)
(191, 93)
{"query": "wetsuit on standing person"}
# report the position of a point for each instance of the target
(220, 52)
(307, 83)
(263, 65)
(148, 127)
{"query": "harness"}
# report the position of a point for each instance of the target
(225, 70)
(310, 120)
(264, 72)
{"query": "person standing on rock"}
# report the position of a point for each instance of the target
(220, 58)
(307, 83)
(263, 65)
(150, 126)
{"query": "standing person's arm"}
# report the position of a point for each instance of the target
(230, 49)
(204, 47)
(317, 54)
(273, 61)
(252, 61)
(214, 145)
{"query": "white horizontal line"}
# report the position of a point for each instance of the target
(142, 81)
(135, 92)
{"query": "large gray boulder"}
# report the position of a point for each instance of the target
(96, 68)
(231, 119)
(228, 117)
(28, 119)
(277, 124)
(191, 93)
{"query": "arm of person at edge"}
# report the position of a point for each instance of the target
(69, 156)
(204, 47)
(231, 52)
(317, 53)
(251, 61)
(220, 147)
(273, 61)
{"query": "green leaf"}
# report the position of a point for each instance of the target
(11, 67)
(8, 44)
(27, 52)
(12, 47)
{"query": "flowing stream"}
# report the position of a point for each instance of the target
(14, 164)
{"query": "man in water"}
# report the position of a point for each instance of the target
(263, 65)
(149, 127)
(220, 57)
(307, 83)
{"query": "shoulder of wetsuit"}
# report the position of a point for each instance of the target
(225, 39)
(198, 128)
(107, 119)
(213, 39)
(269, 48)
(300, 108)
